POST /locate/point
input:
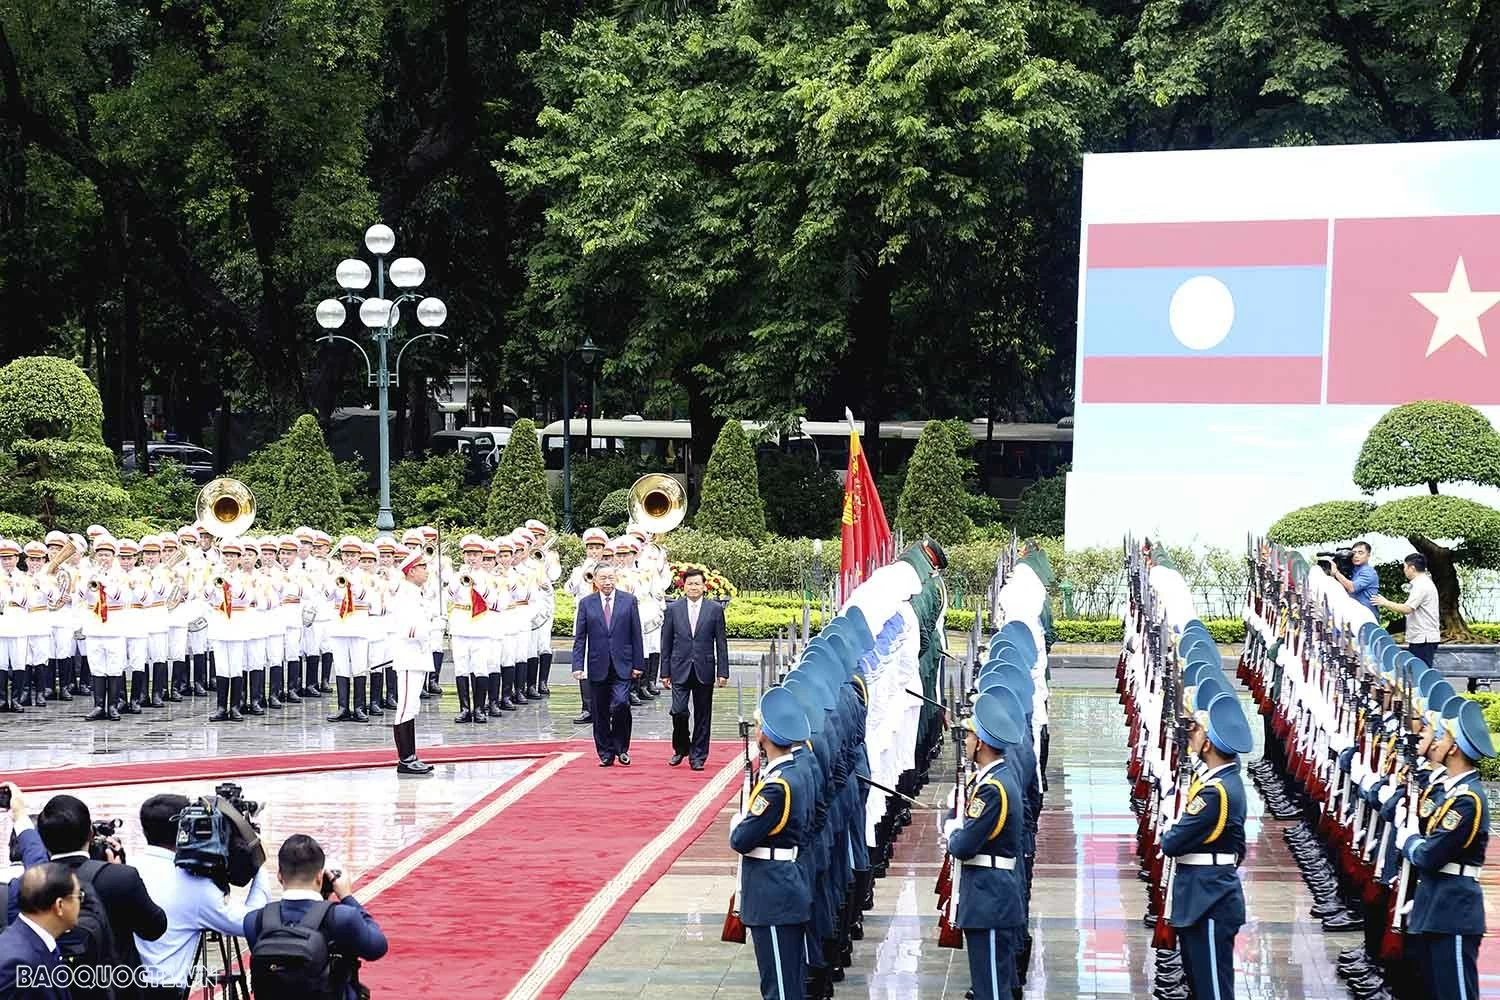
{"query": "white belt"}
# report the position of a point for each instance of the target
(774, 853)
(991, 861)
(1207, 859)
(1472, 871)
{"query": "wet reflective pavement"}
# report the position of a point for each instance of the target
(1087, 901)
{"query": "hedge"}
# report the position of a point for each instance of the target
(1224, 630)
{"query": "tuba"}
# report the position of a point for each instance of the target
(226, 508)
(658, 503)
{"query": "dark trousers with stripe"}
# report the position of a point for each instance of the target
(1208, 958)
(779, 954)
(992, 960)
(1449, 963)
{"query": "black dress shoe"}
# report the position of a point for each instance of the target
(696, 765)
(635, 700)
(583, 719)
(414, 768)
(606, 761)
(1346, 921)
(677, 758)
(624, 759)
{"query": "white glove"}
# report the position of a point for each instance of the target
(1385, 793)
(952, 826)
(1369, 781)
(1339, 742)
(1358, 769)
(953, 798)
(736, 820)
(1404, 834)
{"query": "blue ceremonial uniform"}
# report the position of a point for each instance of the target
(775, 897)
(991, 899)
(1447, 916)
(1208, 841)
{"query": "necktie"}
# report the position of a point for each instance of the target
(608, 602)
(693, 617)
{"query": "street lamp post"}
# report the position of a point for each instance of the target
(380, 316)
(587, 352)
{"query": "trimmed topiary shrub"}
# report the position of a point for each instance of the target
(730, 504)
(614, 512)
(519, 490)
(46, 397)
(307, 491)
(802, 498)
(933, 501)
(1042, 505)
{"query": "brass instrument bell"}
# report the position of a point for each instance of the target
(658, 503)
(226, 508)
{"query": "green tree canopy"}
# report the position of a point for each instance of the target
(45, 397)
(1424, 444)
(729, 502)
(519, 490)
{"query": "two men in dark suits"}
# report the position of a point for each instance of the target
(607, 647)
(694, 657)
(30, 963)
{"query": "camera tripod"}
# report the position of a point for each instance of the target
(229, 982)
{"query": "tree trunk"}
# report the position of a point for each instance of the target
(1445, 578)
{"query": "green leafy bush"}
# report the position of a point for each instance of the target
(1485, 632)
(1042, 505)
(19, 527)
(729, 504)
(595, 478)
(49, 398)
(773, 564)
(1226, 631)
(167, 498)
(614, 512)
(357, 496)
(933, 499)
(519, 490)
(802, 498)
(432, 491)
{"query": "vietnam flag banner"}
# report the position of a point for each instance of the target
(1415, 310)
(865, 534)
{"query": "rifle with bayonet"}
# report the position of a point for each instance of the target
(949, 934)
(734, 927)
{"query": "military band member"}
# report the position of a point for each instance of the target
(1208, 841)
(14, 646)
(63, 619)
(376, 651)
(133, 623)
(549, 572)
(104, 592)
(40, 669)
(388, 575)
(195, 578)
(775, 899)
(409, 611)
(504, 626)
(286, 673)
(157, 585)
(1448, 847)
(320, 570)
(987, 843)
(468, 631)
(230, 596)
(178, 615)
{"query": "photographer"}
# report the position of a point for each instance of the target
(1365, 584)
(193, 904)
(116, 906)
(32, 851)
(305, 965)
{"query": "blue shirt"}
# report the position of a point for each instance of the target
(1366, 585)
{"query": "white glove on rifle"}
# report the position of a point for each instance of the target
(952, 826)
(1385, 793)
(1358, 769)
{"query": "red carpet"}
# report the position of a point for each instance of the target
(518, 902)
(514, 895)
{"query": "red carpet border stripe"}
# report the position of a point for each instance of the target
(567, 955)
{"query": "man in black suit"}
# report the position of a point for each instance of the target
(49, 901)
(607, 647)
(694, 656)
(66, 828)
(353, 935)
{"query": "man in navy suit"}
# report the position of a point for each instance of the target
(352, 933)
(694, 656)
(30, 963)
(607, 647)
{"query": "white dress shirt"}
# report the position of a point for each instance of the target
(694, 607)
(193, 904)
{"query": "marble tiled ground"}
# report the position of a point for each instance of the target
(1086, 904)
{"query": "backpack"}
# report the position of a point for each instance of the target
(92, 940)
(295, 961)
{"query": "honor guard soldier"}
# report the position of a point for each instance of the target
(1208, 841)
(159, 584)
(1447, 847)
(987, 842)
(408, 610)
(775, 899)
(550, 569)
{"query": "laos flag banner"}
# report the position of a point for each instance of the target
(1205, 312)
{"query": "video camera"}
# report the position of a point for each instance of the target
(100, 842)
(217, 840)
(1342, 558)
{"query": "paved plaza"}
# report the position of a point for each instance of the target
(1087, 900)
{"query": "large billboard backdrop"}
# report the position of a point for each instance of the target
(1245, 316)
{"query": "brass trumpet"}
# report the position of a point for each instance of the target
(341, 581)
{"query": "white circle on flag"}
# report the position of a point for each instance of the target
(1201, 313)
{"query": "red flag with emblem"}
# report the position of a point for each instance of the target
(865, 534)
